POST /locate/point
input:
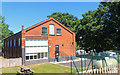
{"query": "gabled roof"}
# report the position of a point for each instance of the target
(36, 25)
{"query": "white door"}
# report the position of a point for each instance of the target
(34, 47)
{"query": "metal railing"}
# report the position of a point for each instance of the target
(108, 64)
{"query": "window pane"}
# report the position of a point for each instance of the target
(35, 56)
(19, 41)
(42, 55)
(31, 57)
(46, 54)
(14, 43)
(5, 44)
(38, 55)
(44, 30)
(27, 57)
(59, 31)
(51, 29)
(8, 43)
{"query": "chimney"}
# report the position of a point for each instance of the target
(22, 27)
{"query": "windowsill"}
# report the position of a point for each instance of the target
(36, 59)
(44, 34)
(59, 35)
(52, 34)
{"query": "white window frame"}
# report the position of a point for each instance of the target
(51, 29)
(32, 54)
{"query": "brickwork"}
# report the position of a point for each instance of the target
(66, 40)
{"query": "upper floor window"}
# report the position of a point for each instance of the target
(11, 43)
(14, 42)
(58, 31)
(5, 44)
(8, 43)
(19, 41)
(44, 30)
(51, 29)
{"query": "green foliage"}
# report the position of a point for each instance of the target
(5, 32)
(98, 29)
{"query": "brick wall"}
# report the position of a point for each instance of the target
(66, 40)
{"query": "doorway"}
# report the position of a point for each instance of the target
(56, 52)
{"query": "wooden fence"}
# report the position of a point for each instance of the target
(10, 62)
(113, 69)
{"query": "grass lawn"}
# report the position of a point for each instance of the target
(42, 68)
(1, 57)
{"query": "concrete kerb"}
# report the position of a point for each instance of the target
(68, 61)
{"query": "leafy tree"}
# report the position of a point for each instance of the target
(112, 23)
(5, 32)
(98, 29)
(90, 31)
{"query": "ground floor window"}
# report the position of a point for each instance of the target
(32, 56)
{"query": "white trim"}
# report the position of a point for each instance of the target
(29, 54)
(23, 38)
(36, 59)
(22, 46)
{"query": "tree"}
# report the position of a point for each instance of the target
(90, 31)
(98, 29)
(5, 32)
(112, 22)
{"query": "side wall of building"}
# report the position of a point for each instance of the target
(12, 49)
(66, 40)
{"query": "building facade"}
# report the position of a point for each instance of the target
(43, 42)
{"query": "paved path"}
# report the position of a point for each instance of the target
(0, 63)
(77, 62)
(0, 66)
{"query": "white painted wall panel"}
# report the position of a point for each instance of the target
(37, 43)
(36, 49)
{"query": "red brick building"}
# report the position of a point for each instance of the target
(42, 42)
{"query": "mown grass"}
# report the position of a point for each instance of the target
(42, 68)
(2, 57)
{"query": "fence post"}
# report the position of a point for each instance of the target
(84, 60)
(118, 62)
(107, 70)
(71, 64)
(81, 64)
(92, 61)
